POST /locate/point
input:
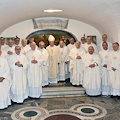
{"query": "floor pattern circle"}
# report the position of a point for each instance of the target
(89, 111)
(29, 113)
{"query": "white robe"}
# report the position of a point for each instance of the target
(92, 77)
(4, 54)
(44, 66)
(34, 73)
(70, 47)
(8, 48)
(63, 72)
(5, 84)
(86, 46)
(104, 54)
(25, 49)
(109, 45)
(19, 78)
(30, 47)
(82, 45)
(4, 46)
(54, 59)
(76, 66)
(114, 76)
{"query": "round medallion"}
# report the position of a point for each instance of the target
(89, 111)
(29, 113)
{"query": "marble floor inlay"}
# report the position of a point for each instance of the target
(82, 107)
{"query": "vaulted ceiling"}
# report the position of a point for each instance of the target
(104, 15)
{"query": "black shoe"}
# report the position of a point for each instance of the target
(118, 97)
(113, 96)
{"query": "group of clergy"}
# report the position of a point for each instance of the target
(26, 68)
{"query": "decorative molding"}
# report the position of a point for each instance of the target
(50, 23)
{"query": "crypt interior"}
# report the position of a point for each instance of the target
(79, 18)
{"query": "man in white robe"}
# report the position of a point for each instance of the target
(92, 74)
(18, 65)
(34, 71)
(104, 54)
(2, 41)
(45, 64)
(104, 39)
(17, 41)
(63, 72)
(83, 41)
(24, 47)
(2, 52)
(4, 83)
(72, 44)
(76, 64)
(89, 43)
(54, 59)
(70, 47)
(31, 39)
(114, 70)
(10, 49)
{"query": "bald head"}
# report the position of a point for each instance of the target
(61, 43)
(17, 50)
(91, 50)
(24, 42)
(33, 45)
(104, 37)
(77, 44)
(10, 42)
(41, 44)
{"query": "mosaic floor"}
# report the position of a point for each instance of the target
(74, 108)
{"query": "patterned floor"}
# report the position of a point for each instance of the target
(84, 108)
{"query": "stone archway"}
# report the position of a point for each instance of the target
(42, 35)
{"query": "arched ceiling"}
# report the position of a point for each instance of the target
(104, 15)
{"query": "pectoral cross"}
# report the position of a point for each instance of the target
(106, 57)
(92, 60)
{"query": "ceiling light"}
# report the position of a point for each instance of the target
(50, 11)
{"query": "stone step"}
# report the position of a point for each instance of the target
(62, 91)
